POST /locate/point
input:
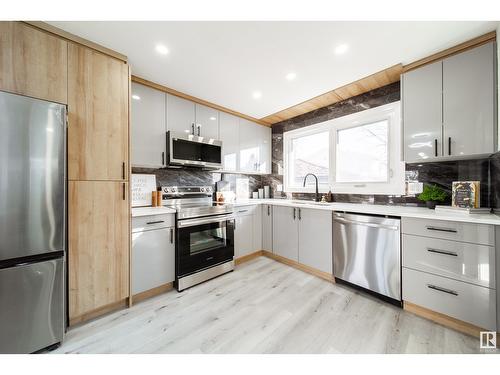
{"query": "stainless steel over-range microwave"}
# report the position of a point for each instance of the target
(192, 150)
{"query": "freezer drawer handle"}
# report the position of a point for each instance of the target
(372, 225)
(444, 252)
(155, 222)
(444, 290)
(449, 230)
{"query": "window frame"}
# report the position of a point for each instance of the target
(288, 138)
(396, 168)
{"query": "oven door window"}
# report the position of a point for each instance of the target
(207, 240)
(204, 245)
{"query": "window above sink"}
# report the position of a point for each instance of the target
(354, 154)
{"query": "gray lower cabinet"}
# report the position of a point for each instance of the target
(286, 232)
(148, 127)
(243, 232)
(153, 253)
(450, 267)
(315, 239)
(470, 303)
(469, 87)
(303, 235)
(267, 227)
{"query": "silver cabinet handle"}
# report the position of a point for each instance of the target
(300, 213)
(268, 210)
(192, 128)
(294, 213)
(372, 225)
(444, 252)
(242, 211)
(444, 290)
(123, 171)
(155, 222)
(171, 235)
(163, 158)
(199, 129)
(438, 229)
(123, 191)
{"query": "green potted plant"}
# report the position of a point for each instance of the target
(431, 195)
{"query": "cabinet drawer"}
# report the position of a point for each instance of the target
(470, 303)
(245, 210)
(457, 260)
(450, 230)
(152, 222)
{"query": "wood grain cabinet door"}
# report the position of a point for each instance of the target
(33, 63)
(98, 245)
(98, 116)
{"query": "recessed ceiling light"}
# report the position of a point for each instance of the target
(291, 76)
(257, 95)
(136, 97)
(161, 49)
(341, 49)
(213, 118)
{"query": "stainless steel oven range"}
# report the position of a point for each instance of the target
(204, 246)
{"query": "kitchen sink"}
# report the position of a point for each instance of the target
(312, 203)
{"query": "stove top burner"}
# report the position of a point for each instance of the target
(193, 201)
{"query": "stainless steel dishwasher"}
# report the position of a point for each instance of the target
(366, 252)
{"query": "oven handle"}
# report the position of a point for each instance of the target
(209, 220)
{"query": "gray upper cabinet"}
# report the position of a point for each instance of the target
(449, 107)
(469, 102)
(315, 239)
(229, 135)
(285, 232)
(180, 115)
(422, 113)
(148, 127)
(207, 122)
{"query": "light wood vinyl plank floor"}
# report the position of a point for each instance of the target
(265, 307)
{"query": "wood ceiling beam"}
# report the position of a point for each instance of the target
(361, 86)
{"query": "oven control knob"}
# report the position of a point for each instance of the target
(202, 189)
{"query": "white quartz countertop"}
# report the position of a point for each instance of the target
(147, 211)
(401, 211)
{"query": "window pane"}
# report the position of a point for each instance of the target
(309, 155)
(362, 153)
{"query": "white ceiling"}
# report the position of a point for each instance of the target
(226, 62)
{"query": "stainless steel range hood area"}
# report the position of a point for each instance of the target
(193, 151)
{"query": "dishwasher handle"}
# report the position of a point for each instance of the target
(362, 223)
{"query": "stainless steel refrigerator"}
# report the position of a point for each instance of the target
(32, 223)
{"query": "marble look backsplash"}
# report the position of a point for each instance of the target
(197, 177)
(442, 174)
